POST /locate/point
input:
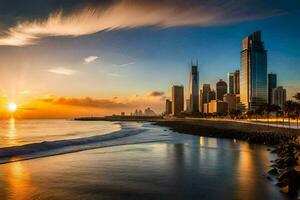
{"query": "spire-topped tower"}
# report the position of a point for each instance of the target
(194, 88)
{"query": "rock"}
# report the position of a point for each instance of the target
(284, 189)
(273, 171)
(282, 183)
(269, 177)
(297, 169)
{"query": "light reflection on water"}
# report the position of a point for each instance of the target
(11, 133)
(18, 182)
(184, 167)
(15, 132)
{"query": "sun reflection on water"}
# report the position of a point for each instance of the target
(19, 186)
(12, 132)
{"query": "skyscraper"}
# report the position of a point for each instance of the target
(253, 75)
(168, 107)
(204, 95)
(279, 96)
(272, 83)
(221, 88)
(211, 96)
(231, 83)
(236, 82)
(194, 89)
(177, 99)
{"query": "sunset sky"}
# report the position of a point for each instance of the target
(66, 58)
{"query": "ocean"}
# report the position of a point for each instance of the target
(65, 159)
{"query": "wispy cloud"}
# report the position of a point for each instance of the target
(62, 71)
(125, 14)
(25, 92)
(90, 59)
(114, 74)
(125, 64)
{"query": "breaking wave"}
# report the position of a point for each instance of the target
(49, 148)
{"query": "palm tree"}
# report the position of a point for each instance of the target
(267, 109)
(249, 114)
(289, 108)
(297, 112)
(297, 107)
(259, 111)
(276, 109)
(297, 96)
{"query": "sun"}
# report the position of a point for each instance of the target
(12, 107)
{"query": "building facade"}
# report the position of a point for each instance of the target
(279, 96)
(216, 106)
(253, 73)
(177, 99)
(230, 83)
(194, 89)
(231, 100)
(168, 110)
(221, 88)
(272, 84)
(236, 82)
(204, 95)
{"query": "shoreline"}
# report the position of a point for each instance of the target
(253, 133)
(285, 169)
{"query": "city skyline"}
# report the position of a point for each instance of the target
(107, 70)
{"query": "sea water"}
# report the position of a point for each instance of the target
(127, 160)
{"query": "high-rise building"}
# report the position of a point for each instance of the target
(188, 105)
(231, 83)
(216, 106)
(279, 96)
(194, 89)
(211, 96)
(236, 82)
(177, 99)
(221, 88)
(272, 83)
(168, 107)
(231, 100)
(253, 75)
(204, 95)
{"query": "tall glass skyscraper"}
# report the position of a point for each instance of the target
(272, 83)
(253, 74)
(231, 83)
(194, 89)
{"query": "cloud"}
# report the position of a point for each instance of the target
(90, 59)
(125, 64)
(126, 14)
(83, 102)
(25, 92)
(62, 71)
(114, 74)
(156, 94)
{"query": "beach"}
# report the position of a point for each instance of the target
(140, 161)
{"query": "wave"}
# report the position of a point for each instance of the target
(48, 148)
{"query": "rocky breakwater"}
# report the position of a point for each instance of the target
(286, 168)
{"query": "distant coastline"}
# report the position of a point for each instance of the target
(253, 133)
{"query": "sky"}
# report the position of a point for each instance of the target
(67, 58)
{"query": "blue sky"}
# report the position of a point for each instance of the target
(143, 56)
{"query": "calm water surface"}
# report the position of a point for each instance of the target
(152, 164)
